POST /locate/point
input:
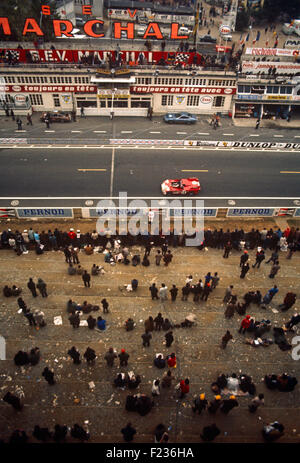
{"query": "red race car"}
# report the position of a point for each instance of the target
(184, 186)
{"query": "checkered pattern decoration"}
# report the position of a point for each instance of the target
(181, 58)
(15, 54)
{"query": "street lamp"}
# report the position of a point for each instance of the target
(112, 104)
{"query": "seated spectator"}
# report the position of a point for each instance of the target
(286, 383)
(233, 383)
(101, 323)
(159, 361)
(21, 358)
(271, 381)
(272, 431)
(88, 249)
(91, 322)
(246, 384)
(95, 270)
(120, 381)
(134, 284)
(7, 292)
(86, 307)
(171, 359)
(129, 324)
(71, 270)
(39, 318)
(16, 291)
(146, 261)
(144, 404)
(136, 260)
(133, 380)
(79, 270)
(71, 306)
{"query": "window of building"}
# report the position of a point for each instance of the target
(193, 100)
(118, 103)
(167, 100)
(219, 101)
(87, 102)
(140, 102)
(36, 99)
(56, 100)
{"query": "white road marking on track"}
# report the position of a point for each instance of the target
(288, 172)
(91, 170)
(203, 133)
(297, 136)
(112, 172)
(278, 136)
(49, 131)
(155, 132)
(191, 170)
(181, 133)
(254, 135)
(126, 131)
(99, 131)
(228, 134)
(76, 131)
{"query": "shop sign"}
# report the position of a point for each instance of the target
(45, 213)
(194, 90)
(193, 212)
(246, 212)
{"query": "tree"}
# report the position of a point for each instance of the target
(242, 20)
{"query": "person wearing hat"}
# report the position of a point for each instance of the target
(25, 237)
(228, 404)
(245, 324)
(72, 235)
(214, 404)
(200, 403)
(205, 292)
(243, 259)
(123, 356)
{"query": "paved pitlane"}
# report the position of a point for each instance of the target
(47, 172)
(139, 172)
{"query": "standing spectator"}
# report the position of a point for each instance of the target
(215, 281)
(168, 258)
(158, 320)
(74, 254)
(270, 294)
(227, 249)
(174, 292)
(155, 388)
(49, 376)
(256, 402)
(67, 254)
(226, 338)
(257, 124)
(128, 433)
(110, 357)
(90, 355)
(12, 114)
(123, 356)
(163, 293)
(19, 123)
(47, 121)
(154, 291)
(184, 387)
(228, 294)
(273, 258)
(42, 287)
(167, 379)
(29, 316)
(29, 119)
(244, 270)
(146, 338)
(172, 362)
(31, 286)
(288, 302)
(78, 432)
(260, 256)
(169, 338)
(158, 258)
(105, 306)
(243, 259)
(149, 324)
(200, 403)
(275, 269)
(205, 292)
(82, 114)
(75, 355)
(185, 292)
(214, 405)
(86, 277)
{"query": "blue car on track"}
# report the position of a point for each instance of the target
(180, 118)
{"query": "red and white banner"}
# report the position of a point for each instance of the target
(272, 52)
(281, 68)
(33, 88)
(180, 90)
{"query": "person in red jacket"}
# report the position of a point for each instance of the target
(172, 361)
(72, 234)
(245, 324)
(184, 387)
